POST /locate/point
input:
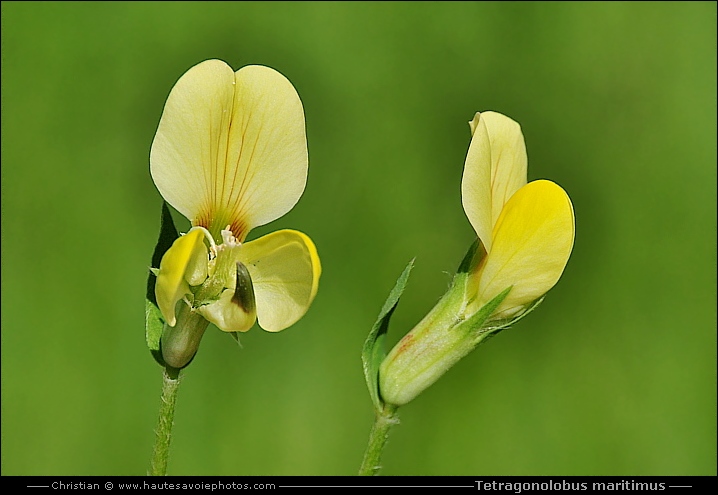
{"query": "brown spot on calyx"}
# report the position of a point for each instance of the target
(405, 342)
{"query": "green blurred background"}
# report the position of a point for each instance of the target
(615, 374)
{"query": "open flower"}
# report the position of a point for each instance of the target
(525, 237)
(526, 230)
(230, 154)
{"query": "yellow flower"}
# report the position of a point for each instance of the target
(526, 234)
(526, 230)
(230, 154)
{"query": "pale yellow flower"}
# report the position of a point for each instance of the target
(230, 154)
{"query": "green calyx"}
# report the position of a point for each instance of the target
(445, 335)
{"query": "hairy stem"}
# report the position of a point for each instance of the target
(383, 421)
(170, 384)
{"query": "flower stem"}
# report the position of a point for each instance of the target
(170, 384)
(383, 421)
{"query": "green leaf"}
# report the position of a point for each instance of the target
(154, 323)
(374, 350)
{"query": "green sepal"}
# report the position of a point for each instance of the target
(154, 322)
(235, 336)
(470, 259)
(374, 350)
(497, 326)
(475, 323)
